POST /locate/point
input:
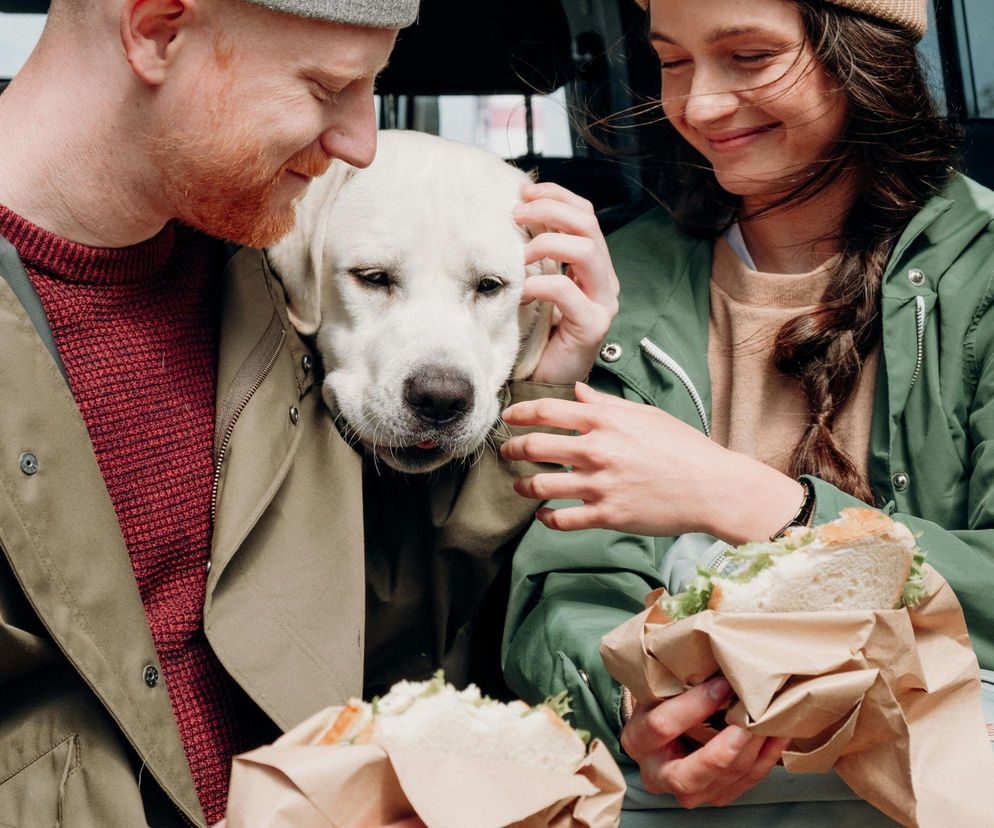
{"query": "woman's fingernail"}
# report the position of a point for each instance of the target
(719, 689)
(739, 738)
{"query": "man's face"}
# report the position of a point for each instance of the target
(274, 100)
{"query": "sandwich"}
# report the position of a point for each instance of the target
(434, 716)
(864, 560)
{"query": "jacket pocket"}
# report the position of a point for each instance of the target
(34, 793)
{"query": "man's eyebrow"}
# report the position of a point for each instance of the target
(332, 80)
(723, 33)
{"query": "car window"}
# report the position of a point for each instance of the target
(18, 35)
(975, 30)
(511, 126)
(931, 57)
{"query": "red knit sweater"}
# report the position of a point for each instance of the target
(137, 331)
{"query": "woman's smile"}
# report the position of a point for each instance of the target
(731, 140)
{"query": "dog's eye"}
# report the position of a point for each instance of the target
(489, 284)
(373, 278)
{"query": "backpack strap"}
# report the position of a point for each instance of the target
(12, 271)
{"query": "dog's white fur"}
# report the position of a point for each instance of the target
(432, 218)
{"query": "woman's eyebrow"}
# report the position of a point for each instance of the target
(713, 37)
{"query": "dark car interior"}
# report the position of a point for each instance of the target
(595, 51)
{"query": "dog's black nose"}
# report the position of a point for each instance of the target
(438, 395)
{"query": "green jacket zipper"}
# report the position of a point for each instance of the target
(919, 338)
(660, 357)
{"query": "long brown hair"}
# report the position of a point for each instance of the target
(899, 152)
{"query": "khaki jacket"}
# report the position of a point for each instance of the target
(84, 739)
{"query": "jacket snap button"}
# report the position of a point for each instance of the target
(151, 675)
(584, 677)
(611, 352)
(294, 414)
(901, 481)
(28, 463)
(306, 362)
(916, 277)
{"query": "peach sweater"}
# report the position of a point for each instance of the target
(770, 414)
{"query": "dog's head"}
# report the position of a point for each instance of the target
(410, 272)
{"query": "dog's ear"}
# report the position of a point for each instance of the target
(298, 258)
(534, 325)
(536, 320)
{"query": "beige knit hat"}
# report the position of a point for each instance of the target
(906, 14)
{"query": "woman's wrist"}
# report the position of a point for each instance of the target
(753, 501)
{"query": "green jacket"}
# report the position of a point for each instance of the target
(84, 741)
(931, 452)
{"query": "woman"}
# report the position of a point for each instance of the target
(811, 330)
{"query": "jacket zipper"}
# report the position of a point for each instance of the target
(919, 337)
(230, 426)
(659, 356)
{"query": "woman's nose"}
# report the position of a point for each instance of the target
(709, 101)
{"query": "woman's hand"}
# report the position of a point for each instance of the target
(638, 469)
(586, 296)
(716, 773)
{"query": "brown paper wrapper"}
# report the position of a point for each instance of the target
(297, 782)
(890, 699)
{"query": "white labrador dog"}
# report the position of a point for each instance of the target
(411, 272)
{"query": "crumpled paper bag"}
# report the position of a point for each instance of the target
(297, 782)
(890, 698)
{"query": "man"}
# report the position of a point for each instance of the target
(182, 573)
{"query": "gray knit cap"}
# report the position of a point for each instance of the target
(906, 14)
(381, 14)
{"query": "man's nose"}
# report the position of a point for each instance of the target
(352, 136)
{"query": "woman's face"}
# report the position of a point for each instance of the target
(741, 84)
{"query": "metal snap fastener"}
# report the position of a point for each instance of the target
(916, 277)
(294, 414)
(306, 362)
(28, 463)
(611, 352)
(151, 675)
(584, 676)
(901, 481)
(209, 562)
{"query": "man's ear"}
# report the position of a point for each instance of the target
(149, 33)
(298, 258)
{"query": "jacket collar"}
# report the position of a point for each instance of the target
(665, 297)
(264, 369)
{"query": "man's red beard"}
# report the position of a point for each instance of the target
(228, 188)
